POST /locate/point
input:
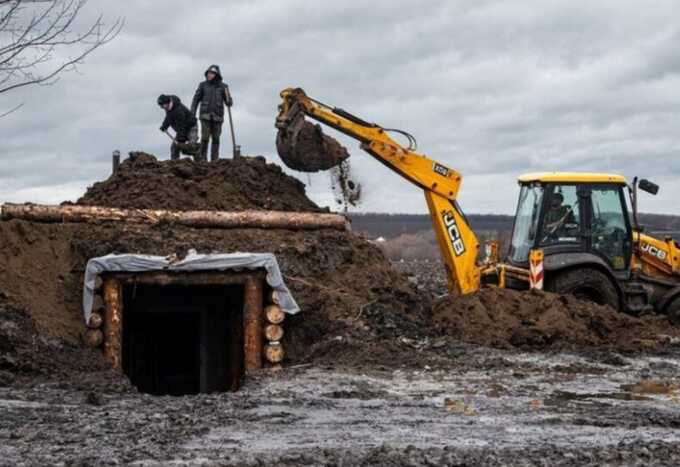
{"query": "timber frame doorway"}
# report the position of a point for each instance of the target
(184, 333)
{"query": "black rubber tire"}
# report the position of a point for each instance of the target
(586, 284)
(673, 311)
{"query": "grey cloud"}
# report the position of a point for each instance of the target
(490, 88)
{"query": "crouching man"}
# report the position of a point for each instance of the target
(179, 118)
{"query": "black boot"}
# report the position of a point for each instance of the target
(202, 156)
(214, 151)
(174, 152)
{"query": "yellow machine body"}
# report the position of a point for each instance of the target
(652, 271)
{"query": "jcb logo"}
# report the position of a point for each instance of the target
(440, 169)
(654, 251)
(454, 233)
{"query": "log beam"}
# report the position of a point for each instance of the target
(205, 219)
(253, 320)
(164, 278)
(113, 323)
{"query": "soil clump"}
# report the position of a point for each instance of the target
(311, 151)
(540, 320)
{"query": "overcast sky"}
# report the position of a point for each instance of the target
(492, 89)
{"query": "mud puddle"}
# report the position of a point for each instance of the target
(499, 410)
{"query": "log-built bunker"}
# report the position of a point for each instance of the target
(185, 331)
(177, 324)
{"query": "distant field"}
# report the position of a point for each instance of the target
(395, 225)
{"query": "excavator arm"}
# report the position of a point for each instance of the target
(458, 243)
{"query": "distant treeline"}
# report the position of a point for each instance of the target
(393, 225)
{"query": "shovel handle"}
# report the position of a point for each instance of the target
(227, 96)
(174, 141)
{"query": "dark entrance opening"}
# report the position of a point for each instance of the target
(181, 339)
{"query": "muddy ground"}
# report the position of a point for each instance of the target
(489, 408)
(381, 369)
(360, 397)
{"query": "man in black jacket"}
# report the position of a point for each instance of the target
(212, 94)
(181, 120)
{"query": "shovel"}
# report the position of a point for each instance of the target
(237, 149)
(174, 141)
(188, 148)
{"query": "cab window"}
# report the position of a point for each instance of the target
(526, 222)
(608, 226)
(562, 218)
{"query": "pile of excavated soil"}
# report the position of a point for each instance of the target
(540, 320)
(344, 285)
(356, 309)
(143, 182)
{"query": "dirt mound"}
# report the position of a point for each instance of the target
(540, 320)
(356, 309)
(143, 182)
(344, 285)
(24, 351)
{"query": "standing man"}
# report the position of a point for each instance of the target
(181, 120)
(212, 94)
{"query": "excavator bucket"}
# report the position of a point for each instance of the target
(303, 146)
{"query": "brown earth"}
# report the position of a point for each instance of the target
(25, 352)
(312, 151)
(356, 309)
(143, 182)
(540, 320)
(338, 278)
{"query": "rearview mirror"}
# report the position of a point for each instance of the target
(649, 187)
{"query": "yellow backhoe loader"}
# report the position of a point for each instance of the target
(583, 226)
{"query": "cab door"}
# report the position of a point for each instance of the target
(563, 225)
(609, 232)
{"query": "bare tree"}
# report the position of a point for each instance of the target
(40, 40)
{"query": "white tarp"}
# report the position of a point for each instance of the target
(192, 262)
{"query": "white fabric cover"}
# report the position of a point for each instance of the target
(192, 262)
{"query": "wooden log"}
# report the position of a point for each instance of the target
(113, 323)
(163, 278)
(253, 321)
(274, 298)
(94, 338)
(274, 314)
(273, 332)
(274, 353)
(95, 321)
(207, 219)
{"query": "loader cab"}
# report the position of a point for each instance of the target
(580, 217)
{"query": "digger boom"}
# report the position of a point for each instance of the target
(458, 243)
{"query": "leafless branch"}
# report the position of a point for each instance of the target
(12, 111)
(33, 33)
